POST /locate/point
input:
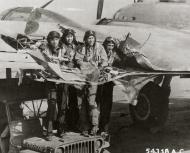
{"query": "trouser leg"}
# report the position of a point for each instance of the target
(51, 111)
(62, 100)
(73, 111)
(84, 123)
(166, 85)
(106, 105)
(92, 108)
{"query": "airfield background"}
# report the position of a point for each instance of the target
(85, 10)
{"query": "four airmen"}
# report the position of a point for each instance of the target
(86, 108)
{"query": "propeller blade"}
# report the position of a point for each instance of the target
(46, 4)
(32, 24)
(31, 27)
(100, 8)
(35, 14)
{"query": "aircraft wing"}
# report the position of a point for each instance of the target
(165, 48)
(5, 47)
(76, 76)
(130, 80)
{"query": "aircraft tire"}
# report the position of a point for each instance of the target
(104, 151)
(152, 108)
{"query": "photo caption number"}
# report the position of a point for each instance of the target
(156, 150)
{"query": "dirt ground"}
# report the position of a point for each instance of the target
(125, 138)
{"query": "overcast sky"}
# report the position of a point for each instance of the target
(81, 10)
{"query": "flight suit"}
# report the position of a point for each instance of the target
(57, 95)
(105, 97)
(68, 51)
(52, 54)
(95, 55)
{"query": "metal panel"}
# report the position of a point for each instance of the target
(85, 146)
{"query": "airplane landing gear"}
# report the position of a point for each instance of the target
(151, 110)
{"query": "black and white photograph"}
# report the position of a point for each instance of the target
(94, 76)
